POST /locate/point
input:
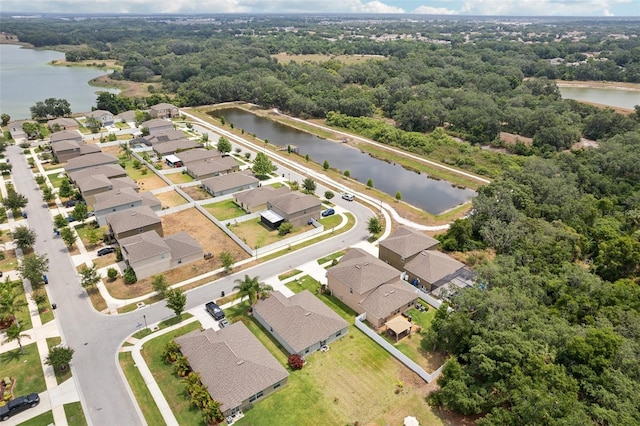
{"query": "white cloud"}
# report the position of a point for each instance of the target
(375, 7)
(428, 10)
(541, 7)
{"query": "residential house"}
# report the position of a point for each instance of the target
(255, 200)
(171, 147)
(105, 118)
(197, 154)
(65, 135)
(133, 221)
(65, 150)
(109, 170)
(230, 183)
(431, 269)
(210, 167)
(368, 285)
(294, 207)
(236, 369)
(17, 134)
(302, 323)
(157, 125)
(63, 123)
(164, 110)
(122, 199)
(184, 249)
(163, 136)
(127, 116)
(403, 245)
(90, 160)
(91, 185)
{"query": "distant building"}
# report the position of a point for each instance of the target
(255, 200)
(105, 118)
(164, 110)
(229, 183)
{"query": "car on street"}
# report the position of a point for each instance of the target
(106, 250)
(328, 212)
(45, 279)
(348, 197)
(223, 323)
(24, 214)
(214, 310)
(18, 405)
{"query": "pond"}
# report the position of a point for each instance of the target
(432, 195)
(606, 96)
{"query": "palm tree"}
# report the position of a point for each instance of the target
(211, 413)
(15, 332)
(252, 288)
(192, 382)
(200, 397)
(10, 302)
(171, 351)
(181, 366)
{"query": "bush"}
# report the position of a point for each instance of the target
(295, 361)
(157, 166)
(129, 276)
(329, 195)
(137, 164)
(39, 179)
(285, 228)
(144, 171)
(112, 273)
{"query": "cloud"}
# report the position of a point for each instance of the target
(541, 7)
(375, 7)
(428, 10)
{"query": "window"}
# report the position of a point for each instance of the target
(276, 386)
(339, 333)
(253, 398)
(260, 394)
(351, 290)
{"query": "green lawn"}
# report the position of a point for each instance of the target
(331, 221)
(25, 368)
(172, 389)
(45, 311)
(329, 258)
(56, 179)
(256, 234)
(224, 210)
(23, 317)
(289, 274)
(179, 178)
(61, 375)
(132, 172)
(44, 419)
(164, 324)
(83, 230)
(308, 283)
(75, 415)
(146, 402)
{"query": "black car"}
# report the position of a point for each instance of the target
(105, 251)
(70, 203)
(18, 405)
(214, 310)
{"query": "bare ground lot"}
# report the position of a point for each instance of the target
(170, 199)
(285, 58)
(196, 193)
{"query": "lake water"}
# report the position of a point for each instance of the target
(25, 78)
(417, 189)
(605, 96)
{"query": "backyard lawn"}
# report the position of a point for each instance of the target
(256, 234)
(224, 210)
(9, 262)
(170, 199)
(25, 368)
(179, 177)
(56, 179)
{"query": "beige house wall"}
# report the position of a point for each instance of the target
(155, 227)
(151, 266)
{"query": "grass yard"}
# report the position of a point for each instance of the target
(23, 316)
(329, 258)
(178, 178)
(45, 311)
(85, 228)
(330, 222)
(61, 375)
(170, 199)
(289, 274)
(173, 390)
(56, 179)
(25, 368)
(163, 324)
(75, 415)
(224, 210)
(44, 419)
(146, 402)
(10, 261)
(255, 234)
(98, 302)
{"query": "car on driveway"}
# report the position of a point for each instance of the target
(106, 250)
(348, 197)
(70, 219)
(70, 203)
(18, 405)
(214, 310)
(328, 212)
(223, 323)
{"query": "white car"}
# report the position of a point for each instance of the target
(348, 197)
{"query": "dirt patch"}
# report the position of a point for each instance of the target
(196, 193)
(512, 139)
(128, 88)
(285, 58)
(170, 199)
(150, 182)
(585, 143)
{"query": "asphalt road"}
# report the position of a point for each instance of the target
(96, 337)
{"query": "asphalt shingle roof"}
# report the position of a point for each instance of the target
(182, 245)
(432, 266)
(407, 242)
(361, 271)
(91, 160)
(293, 202)
(109, 170)
(388, 298)
(257, 196)
(135, 218)
(229, 181)
(143, 246)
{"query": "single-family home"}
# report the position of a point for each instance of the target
(229, 183)
(293, 207)
(109, 170)
(63, 123)
(127, 116)
(16, 131)
(184, 249)
(157, 125)
(105, 118)
(91, 185)
(164, 110)
(90, 160)
(368, 285)
(235, 368)
(197, 154)
(65, 150)
(163, 136)
(65, 135)
(122, 199)
(431, 269)
(210, 167)
(403, 245)
(302, 323)
(171, 147)
(133, 221)
(255, 200)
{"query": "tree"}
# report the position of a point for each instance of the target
(31, 129)
(295, 361)
(295, 185)
(285, 228)
(171, 351)
(10, 301)
(47, 194)
(112, 273)
(33, 267)
(5, 119)
(176, 300)
(93, 235)
(68, 236)
(15, 332)
(59, 357)
(399, 196)
(347, 173)
(307, 158)
(89, 276)
(24, 237)
(309, 186)
(181, 367)
(65, 189)
(192, 382)
(211, 413)
(14, 201)
(159, 284)
(325, 165)
(223, 146)
(370, 183)
(374, 226)
(59, 221)
(252, 288)
(262, 165)
(226, 258)
(129, 276)
(329, 195)
(80, 212)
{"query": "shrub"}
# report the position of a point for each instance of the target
(112, 273)
(130, 276)
(157, 166)
(329, 195)
(295, 361)
(137, 164)
(39, 179)
(144, 171)
(285, 228)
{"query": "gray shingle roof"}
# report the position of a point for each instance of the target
(406, 242)
(65, 135)
(93, 182)
(130, 219)
(172, 146)
(162, 106)
(182, 245)
(362, 272)
(86, 149)
(143, 246)
(98, 113)
(301, 320)
(388, 298)
(109, 170)
(293, 202)
(432, 265)
(65, 145)
(149, 199)
(257, 196)
(211, 165)
(91, 160)
(232, 363)
(62, 122)
(229, 181)
(197, 154)
(156, 123)
(115, 198)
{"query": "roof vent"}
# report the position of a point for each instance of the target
(307, 314)
(240, 362)
(357, 266)
(366, 263)
(392, 291)
(386, 294)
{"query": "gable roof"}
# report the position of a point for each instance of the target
(433, 266)
(182, 245)
(109, 170)
(62, 122)
(156, 123)
(127, 115)
(162, 106)
(232, 363)
(89, 149)
(361, 271)
(65, 145)
(260, 195)
(115, 198)
(197, 154)
(169, 147)
(229, 181)
(65, 135)
(91, 160)
(99, 113)
(130, 219)
(143, 246)
(406, 242)
(93, 182)
(301, 320)
(388, 298)
(293, 202)
(164, 136)
(211, 165)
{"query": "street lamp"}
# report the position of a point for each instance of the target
(145, 321)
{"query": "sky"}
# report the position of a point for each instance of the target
(438, 7)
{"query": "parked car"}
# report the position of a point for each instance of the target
(328, 212)
(24, 214)
(45, 279)
(214, 310)
(223, 323)
(70, 203)
(106, 250)
(70, 218)
(18, 405)
(348, 197)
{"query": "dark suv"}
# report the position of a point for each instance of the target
(214, 310)
(18, 405)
